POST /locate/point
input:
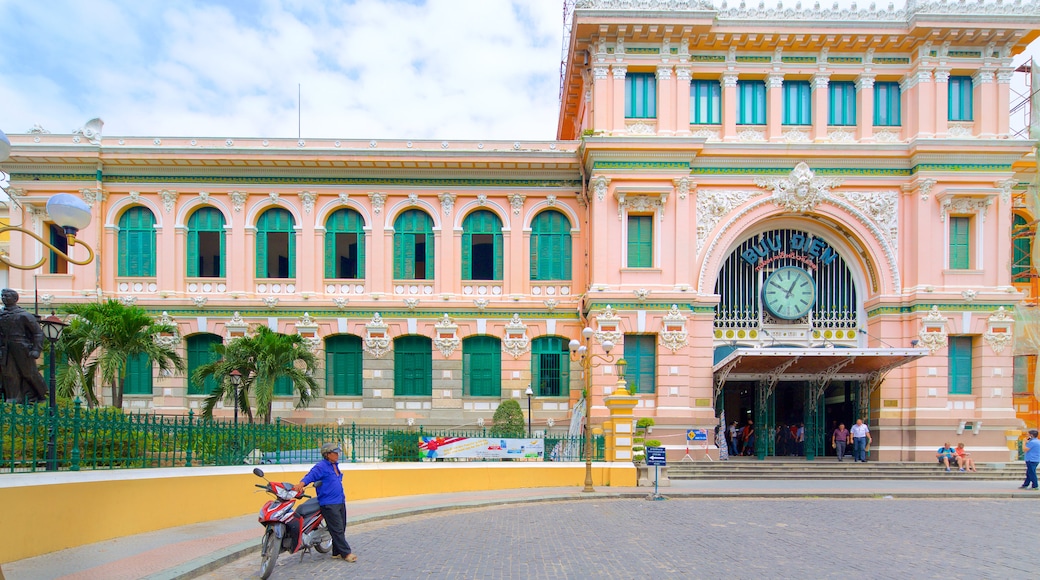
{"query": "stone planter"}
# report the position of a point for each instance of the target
(645, 476)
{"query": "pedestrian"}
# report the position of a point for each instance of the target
(1032, 457)
(964, 459)
(839, 439)
(733, 439)
(860, 440)
(329, 485)
(799, 439)
(748, 436)
(946, 455)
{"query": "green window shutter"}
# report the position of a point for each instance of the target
(887, 104)
(482, 366)
(842, 110)
(797, 103)
(1021, 249)
(343, 366)
(413, 359)
(410, 227)
(705, 102)
(272, 221)
(399, 268)
(361, 253)
(960, 363)
(193, 253)
(136, 240)
(138, 380)
(640, 241)
(261, 248)
(751, 102)
(467, 255)
(330, 253)
(431, 242)
(292, 253)
(960, 243)
(550, 246)
(550, 372)
(641, 356)
(200, 352)
(960, 94)
(640, 96)
(283, 387)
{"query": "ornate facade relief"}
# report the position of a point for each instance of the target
(713, 206)
(801, 191)
(91, 130)
(378, 201)
(751, 135)
(199, 301)
(413, 199)
(168, 339)
(169, 199)
(238, 199)
(447, 202)
(682, 186)
(516, 201)
(93, 195)
(608, 326)
(1005, 188)
(128, 300)
(998, 330)
(673, 330)
(204, 197)
(446, 336)
(599, 185)
(933, 332)
(642, 294)
(270, 301)
(641, 204)
(307, 328)
(516, 342)
(882, 207)
(307, 198)
(480, 303)
(236, 327)
(924, 186)
(377, 339)
(964, 204)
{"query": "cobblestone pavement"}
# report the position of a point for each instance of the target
(691, 538)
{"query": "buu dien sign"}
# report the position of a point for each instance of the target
(801, 246)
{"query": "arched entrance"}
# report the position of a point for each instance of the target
(789, 340)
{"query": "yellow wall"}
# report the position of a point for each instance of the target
(63, 510)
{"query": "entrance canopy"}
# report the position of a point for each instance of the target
(806, 364)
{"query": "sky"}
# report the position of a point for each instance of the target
(362, 69)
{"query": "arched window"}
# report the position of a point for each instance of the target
(550, 367)
(1022, 249)
(413, 366)
(413, 246)
(206, 244)
(275, 245)
(343, 366)
(345, 245)
(550, 246)
(136, 243)
(482, 366)
(200, 352)
(138, 375)
(482, 246)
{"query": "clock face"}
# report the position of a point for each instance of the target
(789, 293)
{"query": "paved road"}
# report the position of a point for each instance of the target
(692, 538)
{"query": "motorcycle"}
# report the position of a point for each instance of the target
(288, 529)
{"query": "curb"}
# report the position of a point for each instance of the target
(213, 561)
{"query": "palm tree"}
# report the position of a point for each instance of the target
(111, 334)
(262, 359)
(78, 370)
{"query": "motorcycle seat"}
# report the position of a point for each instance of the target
(308, 507)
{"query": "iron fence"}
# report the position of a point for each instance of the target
(109, 439)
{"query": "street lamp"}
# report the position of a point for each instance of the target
(581, 352)
(66, 210)
(236, 381)
(528, 392)
(52, 329)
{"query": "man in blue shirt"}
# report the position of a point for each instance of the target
(946, 454)
(328, 480)
(1032, 457)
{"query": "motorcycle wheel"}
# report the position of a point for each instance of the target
(270, 546)
(325, 545)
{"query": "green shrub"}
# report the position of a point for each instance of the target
(401, 446)
(509, 421)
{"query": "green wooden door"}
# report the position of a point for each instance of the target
(482, 366)
(343, 366)
(413, 366)
(200, 352)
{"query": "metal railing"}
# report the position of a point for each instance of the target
(109, 439)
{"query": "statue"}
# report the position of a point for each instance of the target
(21, 341)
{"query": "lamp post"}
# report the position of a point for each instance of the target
(581, 352)
(52, 329)
(69, 212)
(236, 381)
(528, 392)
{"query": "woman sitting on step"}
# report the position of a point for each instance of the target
(964, 459)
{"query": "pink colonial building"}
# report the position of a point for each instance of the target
(780, 215)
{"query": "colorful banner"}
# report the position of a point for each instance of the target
(481, 448)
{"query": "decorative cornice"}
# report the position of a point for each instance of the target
(759, 11)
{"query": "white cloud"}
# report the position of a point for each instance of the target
(379, 69)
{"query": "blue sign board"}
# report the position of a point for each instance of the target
(655, 456)
(696, 434)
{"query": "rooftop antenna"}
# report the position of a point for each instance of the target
(299, 113)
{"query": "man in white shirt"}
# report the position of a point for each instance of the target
(860, 440)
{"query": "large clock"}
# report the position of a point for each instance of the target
(789, 293)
